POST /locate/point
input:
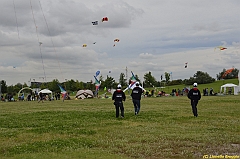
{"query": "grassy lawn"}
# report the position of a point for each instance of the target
(165, 128)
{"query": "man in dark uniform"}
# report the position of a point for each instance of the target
(119, 97)
(194, 95)
(136, 97)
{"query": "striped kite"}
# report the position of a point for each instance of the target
(63, 92)
(97, 85)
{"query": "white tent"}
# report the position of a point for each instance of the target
(229, 85)
(46, 91)
(84, 94)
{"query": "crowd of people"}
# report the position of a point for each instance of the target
(119, 97)
(33, 96)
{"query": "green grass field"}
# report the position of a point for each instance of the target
(165, 128)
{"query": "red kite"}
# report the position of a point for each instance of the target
(104, 19)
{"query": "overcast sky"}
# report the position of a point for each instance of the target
(155, 35)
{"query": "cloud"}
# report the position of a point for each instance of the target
(146, 56)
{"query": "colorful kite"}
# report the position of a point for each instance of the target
(84, 45)
(186, 64)
(220, 48)
(97, 84)
(95, 23)
(132, 83)
(104, 19)
(63, 92)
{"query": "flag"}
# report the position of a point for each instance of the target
(64, 93)
(133, 79)
(95, 23)
(97, 83)
(132, 82)
(62, 90)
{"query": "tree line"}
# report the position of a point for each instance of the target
(108, 83)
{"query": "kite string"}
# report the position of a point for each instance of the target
(16, 17)
(51, 40)
(38, 40)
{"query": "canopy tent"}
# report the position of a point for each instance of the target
(82, 94)
(46, 91)
(229, 85)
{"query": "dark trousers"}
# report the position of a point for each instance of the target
(119, 105)
(136, 104)
(194, 107)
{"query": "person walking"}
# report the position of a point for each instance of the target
(118, 97)
(136, 97)
(194, 95)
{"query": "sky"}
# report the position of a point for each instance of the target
(42, 40)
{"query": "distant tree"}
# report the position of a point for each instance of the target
(109, 82)
(149, 80)
(53, 86)
(167, 77)
(3, 86)
(122, 80)
(175, 82)
(200, 77)
(79, 85)
(18, 86)
(25, 84)
(72, 85)
(43, 86)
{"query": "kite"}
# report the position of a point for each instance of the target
(97, 85)
(186, 64)
(95, 23)
(116, 40)
(227, 72)
(40, 43)
(94, 43)
(220, 48)
(63, 92)
(114, 45)
(104, 19)
(132, 83)
(84, 45)
(97, 73)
